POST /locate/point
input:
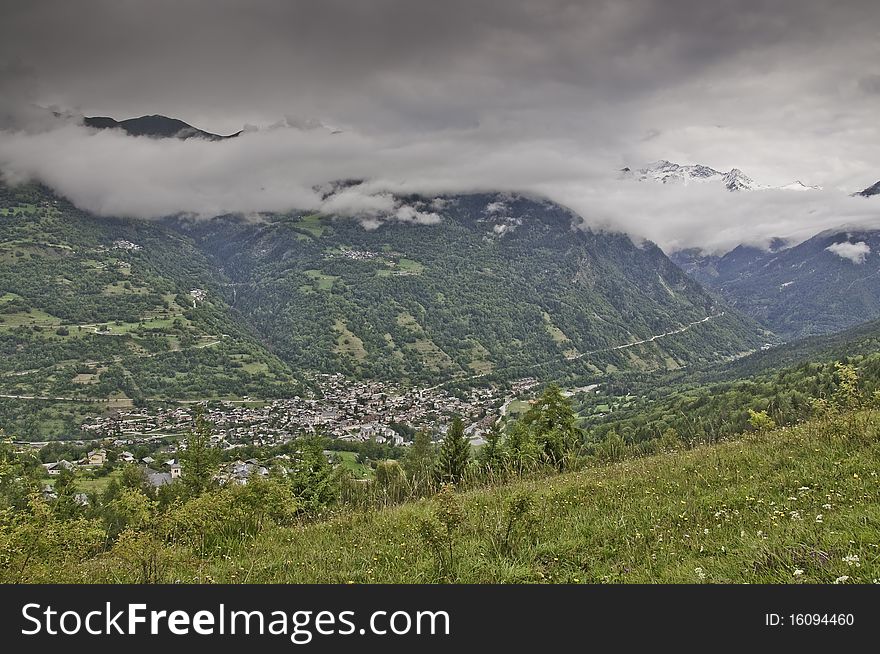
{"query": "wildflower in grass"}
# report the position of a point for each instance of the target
(842, 580)
(700, 574)
(798, 572)
(820, 518)
(827, 507)
(852, 560)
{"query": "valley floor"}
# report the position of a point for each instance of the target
(796, 505)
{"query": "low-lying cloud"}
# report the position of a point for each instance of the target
(855, 252)
(275, 170)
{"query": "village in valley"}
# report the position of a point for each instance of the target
(344, 411)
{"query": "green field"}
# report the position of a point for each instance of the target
(322, 281)
(348, 343)
(312, 224)
(349, 460)
(89, 484)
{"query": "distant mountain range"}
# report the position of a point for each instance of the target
(667, 172)
(154, 126)
(825, 284)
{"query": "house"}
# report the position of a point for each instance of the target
(97, 457)
(175, 471)
(158, 479)
(56, 467)
(126, 457)
(238, 472)
(148, 460)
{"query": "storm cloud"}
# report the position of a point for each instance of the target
(542, 97)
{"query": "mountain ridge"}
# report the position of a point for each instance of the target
(154, 126)
(822, 285)
(667, 172)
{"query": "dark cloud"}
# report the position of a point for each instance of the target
(542, 95)
(870, 84)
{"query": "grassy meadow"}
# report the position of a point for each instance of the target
(794, 505)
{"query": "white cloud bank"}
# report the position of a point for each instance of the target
(280, 169)
(855, 252)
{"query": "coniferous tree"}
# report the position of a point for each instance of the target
(553, 424)
(455, 453)
(419, 460)
(200, 459)
(491, 455)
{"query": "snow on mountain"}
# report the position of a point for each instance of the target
(667, 172)
(798, 185)
(737, 180)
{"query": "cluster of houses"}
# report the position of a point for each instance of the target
(122, 244)
(93, 459)
(342, 409)
(169, 469)
(198, 295)
(357, 255)
(347, 410)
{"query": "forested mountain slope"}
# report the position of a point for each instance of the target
(825, 284)
(495, 284)
(96, 308)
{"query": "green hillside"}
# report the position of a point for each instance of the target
(800, 505)
(102, 313)
(116, 311)
(799, 291)
(499, 286)
(715, 403)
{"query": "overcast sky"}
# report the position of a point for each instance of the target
(540, 96)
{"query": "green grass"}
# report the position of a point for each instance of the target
(555, 333)
(89, 484)
(312, 224)
(518, 407)
(402, 267)
(348, 343)
(28, 209)
(32, 317)
(349, 460)
(322, 281)
(85, 482)
(754, 510)
(256, 367)
(410, 266)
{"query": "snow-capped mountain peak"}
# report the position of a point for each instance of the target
(735, 179)
(666, 171)
(798, 185)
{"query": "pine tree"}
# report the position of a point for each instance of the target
(419, 460)
(200, 459)
(491, 455)
(455, 453)
(554, 425)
